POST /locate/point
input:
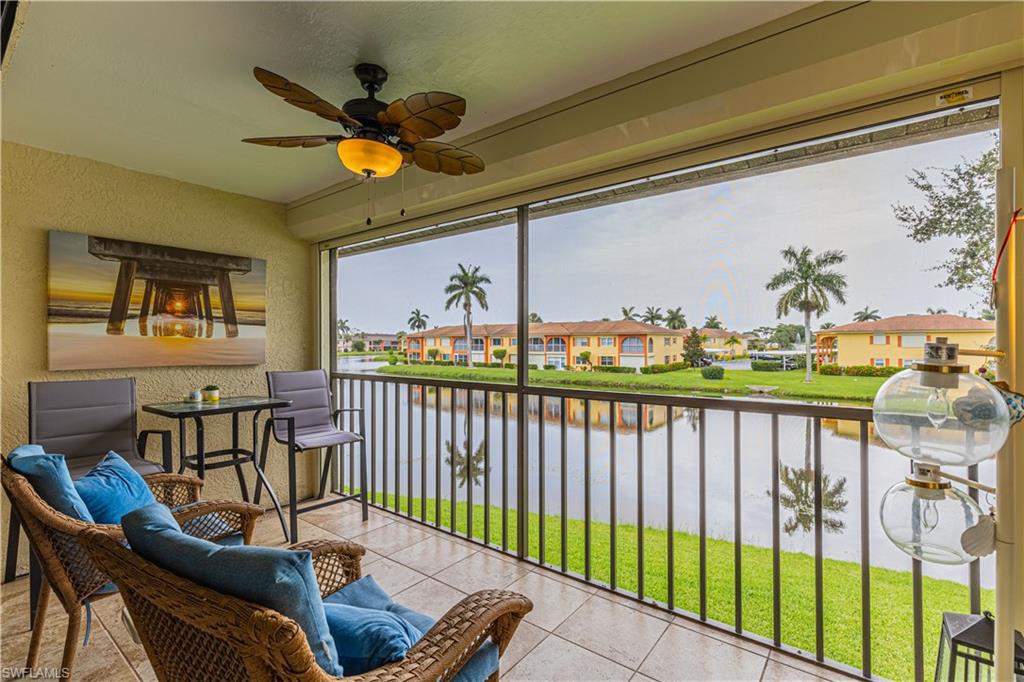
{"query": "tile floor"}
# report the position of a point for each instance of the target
(575, 632)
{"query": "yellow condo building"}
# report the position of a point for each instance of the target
(610, 343)
(899, 341)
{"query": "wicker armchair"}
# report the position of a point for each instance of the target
(227, 639)
(70, 572)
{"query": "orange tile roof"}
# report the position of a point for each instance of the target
(915, 323)
(587, 327)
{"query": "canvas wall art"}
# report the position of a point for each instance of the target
(115, 303)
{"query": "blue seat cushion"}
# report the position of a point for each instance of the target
(49, 476)
(366, 593)
(113, 488)
(368, 638)
(278, 579)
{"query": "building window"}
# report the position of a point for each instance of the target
(536, 345)
(414, 344)
(632, 344)
(445, 357)
(515, 341)
(607, 361)
(581, 341)
(442, 340)
(478, 345)
(556, 345)
(912, 341)
(578, 360)
(878, 362)
(460, 359)
(496, 341)
(667, 341)
(607, 341)
(460, 343)
(878, 340)
(667, 359)
(650, 345)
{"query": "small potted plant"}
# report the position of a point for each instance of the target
(211, 393)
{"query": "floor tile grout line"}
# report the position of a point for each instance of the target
(656, 643)
(584, 646)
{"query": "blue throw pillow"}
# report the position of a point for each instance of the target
(112, 488)
(51, 479)
(368, 638)
(366, 593)
(279, 579)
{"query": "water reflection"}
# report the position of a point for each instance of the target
(173, 325)
(798, 496)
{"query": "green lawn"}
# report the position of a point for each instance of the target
(891, 591)
(790, 384)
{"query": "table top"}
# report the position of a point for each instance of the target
(244, 403)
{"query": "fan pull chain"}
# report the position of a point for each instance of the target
(402, 212)
(369, 218)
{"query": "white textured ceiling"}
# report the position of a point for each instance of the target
(167, 87)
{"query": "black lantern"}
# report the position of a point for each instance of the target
(965, 649)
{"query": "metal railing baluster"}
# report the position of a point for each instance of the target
(384, 428)
(639, 502)
(408, 451)
(468, 464)
(564, 475)
(670, 549)
(918, 621)
(586, 492)
(776, 554)
(398, 445)
(702, 522)
(612, 493)
(437, 456)
(504, 471)
(487, 467)
(819, 580)
(974, 568)
(865, 556)
(541, 488)
(737, 511)
(451, 465)
(423, 453)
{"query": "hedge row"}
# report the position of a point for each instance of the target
(661, 368)
(614, 370)
(833, 370)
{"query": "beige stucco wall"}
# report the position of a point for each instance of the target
(43, 191)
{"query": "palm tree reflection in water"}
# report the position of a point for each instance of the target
(798, 496)
(466, 467)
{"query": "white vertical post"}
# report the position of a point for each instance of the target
(1009, 336)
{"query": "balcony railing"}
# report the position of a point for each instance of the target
(660, 498)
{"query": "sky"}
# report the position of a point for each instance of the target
(709, 250)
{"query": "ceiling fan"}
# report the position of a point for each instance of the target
(378, 138)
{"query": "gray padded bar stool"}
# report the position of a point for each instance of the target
(83, 420)
(316, 426)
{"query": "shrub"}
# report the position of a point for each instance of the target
(359, 345)
(614, 370)
(549, 366)
(713, 372)
(765, 366)
(392, 359)
(871, 371)
(830, 370)
(531, 366)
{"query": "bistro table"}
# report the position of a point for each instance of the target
(236, 455)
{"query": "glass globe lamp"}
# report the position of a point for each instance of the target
(925, 517)
(941, 414)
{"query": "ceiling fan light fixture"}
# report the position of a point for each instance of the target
(369, 157)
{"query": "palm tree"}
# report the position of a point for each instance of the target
(344, 331)
(464, 286)
(809, 283)
(937, 311)
(417, 320)
(732, 342)
(674, 318)
(466, 468)
(866, 315)
(712, 322)
(826, 325)
(629, 313)
(533, 317)
(652, 315)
